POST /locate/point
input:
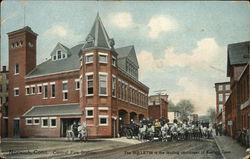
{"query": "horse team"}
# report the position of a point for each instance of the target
(165, 131)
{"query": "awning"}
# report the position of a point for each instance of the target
(54, 110)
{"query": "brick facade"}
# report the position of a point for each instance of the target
(125, 97)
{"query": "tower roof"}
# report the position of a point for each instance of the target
(98, 37)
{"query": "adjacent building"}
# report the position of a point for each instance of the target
(4, 102)
(92, 82)
(158, 107)
(237, 105)
(222, 93)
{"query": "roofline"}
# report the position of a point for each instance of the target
(47, 105)
(51, 74)
(62, 114)
(96, 48)
(222, 83)
(123, 71)
(26, 28)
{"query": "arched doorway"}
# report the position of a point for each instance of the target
(133, 117)
(141, 116)
(123, 119)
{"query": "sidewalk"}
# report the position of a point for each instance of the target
(229, 147)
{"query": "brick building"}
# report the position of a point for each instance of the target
(237, 105)
(4, 102)
(222, 93)
(92, 82)
(158, 107)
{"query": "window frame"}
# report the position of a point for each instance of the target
(101, 117)
(87, 109)
(77, 81)
(28, 119)
(15, 93)
(50, 122)
(106, 83)
(51, 90)
(45, 92)
(34, 123)
(33, 89)
(87, 81)
(27, 90)
(114, 61)
(86, 58)
(114, 80)
(42, 119)
(39, 91)
(103, 55)
(17, 69)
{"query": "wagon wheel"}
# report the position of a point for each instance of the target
(128, 134)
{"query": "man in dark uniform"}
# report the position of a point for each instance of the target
(75, 128)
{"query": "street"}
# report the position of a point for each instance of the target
(108, 148)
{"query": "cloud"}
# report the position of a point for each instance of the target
(122, 19)
(57, 30)
(159, 24)
(206, 54)
(202, 95)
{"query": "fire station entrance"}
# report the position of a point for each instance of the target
(66, 125)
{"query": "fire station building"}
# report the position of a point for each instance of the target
(92, 82)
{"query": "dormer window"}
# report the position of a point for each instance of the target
(59, 55)
(54, 57)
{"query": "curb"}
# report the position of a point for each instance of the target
(218, 145)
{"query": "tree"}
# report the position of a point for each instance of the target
(185, 107)
(212, 114)
(171, 106)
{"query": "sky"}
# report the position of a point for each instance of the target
(181, 46)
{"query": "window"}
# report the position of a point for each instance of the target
(65, 90)
(89, 112)
(90, 89)
(228, 87)
(27, 88)
(220, 87)
(53, 90)
(81, 61)
(59, 55)
(45, 91)
(39, 89)
(65, 85)
(103, 58)
(103, 84)
(113, 86)
(16, 91)
(113, 61)
(36, 121)
(45, 123)
(220, 97)
(16, 69)
(28, 121)
(80, 86)
(77, 82)
(89, 58)
(65, 96)
(54, 57)
(52, 122)
(103, 120)
(33, 89)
